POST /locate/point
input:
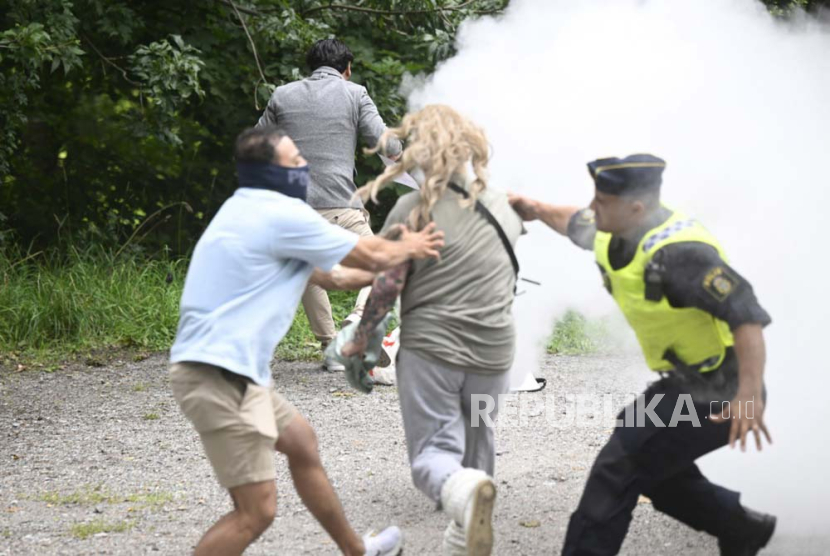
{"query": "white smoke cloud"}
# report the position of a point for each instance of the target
(739, 105)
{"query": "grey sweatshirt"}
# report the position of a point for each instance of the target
(323, 114)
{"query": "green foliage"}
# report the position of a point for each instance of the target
(86, 530)
(112, 109)
(785, 8)
(576, 335)
(170, 72)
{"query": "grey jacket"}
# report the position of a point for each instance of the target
(323, 114)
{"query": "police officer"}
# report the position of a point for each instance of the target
(700, 326)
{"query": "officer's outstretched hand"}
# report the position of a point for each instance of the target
(525, 207)
(746, 412)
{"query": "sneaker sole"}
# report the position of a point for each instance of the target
(397, 550)
(480, 531)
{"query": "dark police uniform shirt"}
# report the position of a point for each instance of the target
(688, 265)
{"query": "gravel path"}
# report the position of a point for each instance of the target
(100, 461)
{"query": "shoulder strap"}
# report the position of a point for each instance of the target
(482, 210)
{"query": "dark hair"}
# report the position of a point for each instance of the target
(329, 52)
(258, 144)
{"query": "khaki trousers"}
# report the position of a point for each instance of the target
(315, 299)
(238, 421)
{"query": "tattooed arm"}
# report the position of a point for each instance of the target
(385, 290)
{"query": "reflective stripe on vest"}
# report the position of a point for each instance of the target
(695, 337)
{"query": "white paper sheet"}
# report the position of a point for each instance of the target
(403, 179)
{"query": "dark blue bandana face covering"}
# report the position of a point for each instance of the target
(292, 182)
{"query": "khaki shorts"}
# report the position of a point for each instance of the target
(238, 420)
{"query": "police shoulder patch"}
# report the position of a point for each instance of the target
(720, 283)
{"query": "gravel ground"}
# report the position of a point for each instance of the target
(88, 449)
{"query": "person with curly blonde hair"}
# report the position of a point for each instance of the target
(457, 333)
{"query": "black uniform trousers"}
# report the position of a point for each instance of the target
(658, 462)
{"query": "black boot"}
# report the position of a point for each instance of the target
(753, 534)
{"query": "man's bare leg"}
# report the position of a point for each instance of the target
(299, 443)
(255, 506)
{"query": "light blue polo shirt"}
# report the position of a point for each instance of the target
(246, 278)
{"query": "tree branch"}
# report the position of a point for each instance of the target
(253, 47)
(345, 7)
(242, 9)
(110, 62)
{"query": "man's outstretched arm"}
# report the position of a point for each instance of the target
(342, 278)
(555, 216)
(575, 223)
(376, 253)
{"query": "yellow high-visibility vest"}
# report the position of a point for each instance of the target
(697, 338)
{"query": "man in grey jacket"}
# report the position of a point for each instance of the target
(324, 114)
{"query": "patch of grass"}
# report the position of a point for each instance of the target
(86, 300)
(85, 303)
(88, 495)
(140, 387)
(573, 334)
(96, 495)
(300, 344)
(151, 417)
(86, 530)
(150, 498)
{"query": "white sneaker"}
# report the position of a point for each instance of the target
(333, 365)
(468, 497)
(388, 542)
(383, 375)
(385, 372)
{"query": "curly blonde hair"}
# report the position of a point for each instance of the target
(441, 143)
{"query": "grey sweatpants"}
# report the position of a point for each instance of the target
(436, 410)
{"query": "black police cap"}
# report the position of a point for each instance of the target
(632, 174)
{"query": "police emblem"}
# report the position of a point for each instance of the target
(720, 283)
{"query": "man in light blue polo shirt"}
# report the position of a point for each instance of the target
(245, 280)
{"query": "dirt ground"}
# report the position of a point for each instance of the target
(100, 461)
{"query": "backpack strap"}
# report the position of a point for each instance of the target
(488, 216)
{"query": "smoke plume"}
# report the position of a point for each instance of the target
(738, 104)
